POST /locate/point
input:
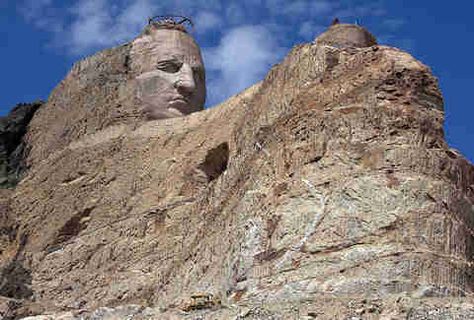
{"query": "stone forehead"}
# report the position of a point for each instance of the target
(161, 44)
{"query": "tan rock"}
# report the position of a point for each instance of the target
(346, 35)
(327, 190)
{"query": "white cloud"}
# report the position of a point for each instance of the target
(136, 13)
(95, 25)
(185, 7)
(90, 24)
(30, 8)
(205, 21)
(89, 28)
(242, 58)
(303, 7)
(309, 30)
(41, 14)
(299, 8)
(131, 20)
(250, 33)
(322, 7)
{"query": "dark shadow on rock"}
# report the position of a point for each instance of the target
(216, 161)
(70, 230)
(12, 149)
(15, 279)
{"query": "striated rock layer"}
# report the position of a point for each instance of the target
(326, 191)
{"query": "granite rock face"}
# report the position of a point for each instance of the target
(347, 35)
(12, 149)
(327, 191)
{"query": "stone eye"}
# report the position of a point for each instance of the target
(169, 66)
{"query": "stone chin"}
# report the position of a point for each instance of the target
(154, 113)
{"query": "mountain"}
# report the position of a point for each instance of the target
(326, 191)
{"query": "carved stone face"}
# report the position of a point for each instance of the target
(171, 80)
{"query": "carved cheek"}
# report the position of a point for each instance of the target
(156, 83)
(200, 94)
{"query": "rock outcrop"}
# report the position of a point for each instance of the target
(346, 36)
(327, 191)
(12, 149)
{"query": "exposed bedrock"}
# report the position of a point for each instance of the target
(12, 149)
(325, 191)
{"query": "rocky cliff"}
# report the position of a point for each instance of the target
(327, 191)
(12, 148)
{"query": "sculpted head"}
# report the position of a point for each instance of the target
(170, 73)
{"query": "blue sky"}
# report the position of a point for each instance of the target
(41, 39)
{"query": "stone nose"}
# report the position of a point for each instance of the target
(185, 84)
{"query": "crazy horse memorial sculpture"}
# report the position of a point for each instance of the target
(172, 79)
(325, 191)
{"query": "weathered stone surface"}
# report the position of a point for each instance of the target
(327, 191)
(400, 308)
(12, 129)
(171, 79)
(345, 36)
(8, 308)
(122, 85)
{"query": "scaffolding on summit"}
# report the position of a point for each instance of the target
(171, 21)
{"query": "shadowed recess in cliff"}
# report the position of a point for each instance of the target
(216, 161)
(70, 229)
(12, 149)
(15, 278)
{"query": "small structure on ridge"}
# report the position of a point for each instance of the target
(341, 35)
